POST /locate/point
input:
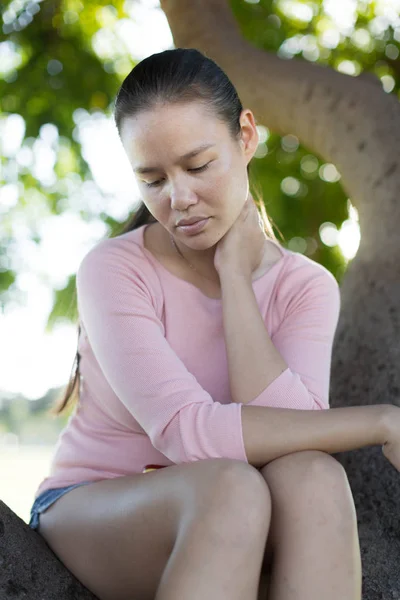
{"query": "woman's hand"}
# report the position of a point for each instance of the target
(242, 247)
(391, 445)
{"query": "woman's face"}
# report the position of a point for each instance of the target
(212, 183)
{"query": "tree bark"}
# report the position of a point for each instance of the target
(29, 570)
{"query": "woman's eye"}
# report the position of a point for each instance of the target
(198, 169)
(151, 184)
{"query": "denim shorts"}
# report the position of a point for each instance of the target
(46, 499)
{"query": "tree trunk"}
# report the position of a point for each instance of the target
(353, 123)
(29, 570)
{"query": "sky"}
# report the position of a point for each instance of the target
(33, 361)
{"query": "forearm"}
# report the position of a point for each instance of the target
(253, 360)
(269, 433)
(254, 363)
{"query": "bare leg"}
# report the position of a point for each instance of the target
(317, 552)
(218, 554)
(189, 531)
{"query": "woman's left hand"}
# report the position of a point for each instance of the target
(241, 250)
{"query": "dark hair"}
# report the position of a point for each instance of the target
(175, 76)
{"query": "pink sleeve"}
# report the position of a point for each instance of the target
(121, 316)
(304, 338)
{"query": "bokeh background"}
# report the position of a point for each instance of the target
(65, 182)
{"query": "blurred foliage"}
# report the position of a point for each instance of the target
(62, 68)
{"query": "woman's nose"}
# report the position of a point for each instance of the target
(181, 196)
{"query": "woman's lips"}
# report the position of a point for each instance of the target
(195, 227)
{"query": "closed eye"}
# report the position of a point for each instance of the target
(156, 183)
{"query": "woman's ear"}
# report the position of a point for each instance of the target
(249, 134)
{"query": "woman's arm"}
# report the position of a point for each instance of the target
(269, 433)
(253, 360)
(254, 363)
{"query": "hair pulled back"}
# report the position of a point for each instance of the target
(176, 76)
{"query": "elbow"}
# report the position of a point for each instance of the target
(201, 431)
(167, 440)
(318, 404)
(179, 444)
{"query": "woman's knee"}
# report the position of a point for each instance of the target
(232, 488)
(325, 472)
(312, 476)
(307, 465)
(328, 481)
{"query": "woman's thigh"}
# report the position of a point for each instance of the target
(116, 535)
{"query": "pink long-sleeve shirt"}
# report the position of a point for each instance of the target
(154, 373)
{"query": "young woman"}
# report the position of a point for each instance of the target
(205, 353)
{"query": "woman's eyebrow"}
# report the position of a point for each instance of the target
(190, 154)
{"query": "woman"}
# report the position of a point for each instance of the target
(206, 352)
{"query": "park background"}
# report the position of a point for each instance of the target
(65, 182)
